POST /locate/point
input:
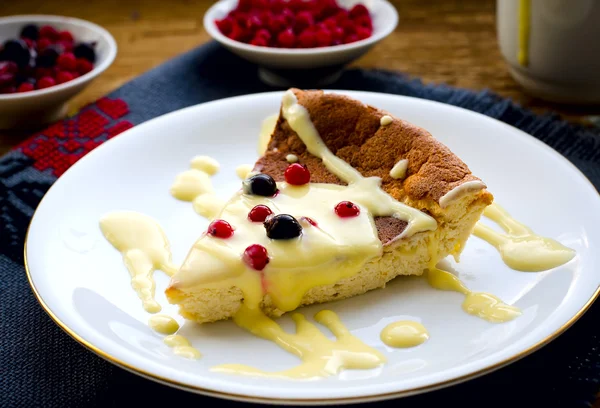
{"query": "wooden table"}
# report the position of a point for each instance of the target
(452, 42)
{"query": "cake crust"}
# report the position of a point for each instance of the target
(353, 131)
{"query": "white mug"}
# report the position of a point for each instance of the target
(552, 47)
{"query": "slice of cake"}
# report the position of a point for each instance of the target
(368, 197)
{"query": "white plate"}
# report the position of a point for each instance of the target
(81, 280)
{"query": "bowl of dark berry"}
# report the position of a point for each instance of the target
(300, 42)
(44, 62)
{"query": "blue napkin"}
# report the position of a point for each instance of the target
(41, 366)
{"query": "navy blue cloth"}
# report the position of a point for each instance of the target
(41, 366)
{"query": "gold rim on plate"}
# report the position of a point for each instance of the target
(302, 401)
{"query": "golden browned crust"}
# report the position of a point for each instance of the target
(353, 132)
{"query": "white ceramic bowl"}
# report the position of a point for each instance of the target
(39, 107)
(278, 65)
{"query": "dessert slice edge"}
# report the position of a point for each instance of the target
(431, 179)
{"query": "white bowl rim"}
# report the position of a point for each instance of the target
(41, 18)
(213, 31)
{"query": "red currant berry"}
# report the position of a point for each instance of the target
(307, 39)
(25, 87)
(303, 20)
(323, 37)
(67, 61)
(331, 23)
(362, 33)
(337, 34)
(254, 23)
(286, 38)
(364, 21)
(289, 16)
(63, 76)
(225, 25)
(220, 229)
(256, 257)
(46, 82)
(84, 66)
(65, 36)
(347, 209)
(259, 213)
(259, 42)
(264, 34)
(49, 32)
(8, 67)
(297, 174)
(7, 79)
(277, 24)
(342, 16)
(359, 10)
(350, 39)
(43, 43)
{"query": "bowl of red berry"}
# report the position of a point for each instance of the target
(300, 42)
(44, 62)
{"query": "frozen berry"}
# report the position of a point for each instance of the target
(254, 23)
(307, 39)
(225, 25)
(49, 32)
(260, 184)
(259, 213)
(350, 39)
(46, 82)
(288, 16)
(337, 34)
(259, 42)
(362, 33)
(304, 19)
(263, 33)
(282, 226)
(341, 16)
(359, 10)
(47, 57)
(346, 209)
(42, 44)
(25, 87)
(220, 229)
(41, 72)
(83, 66)
(297, 174)
(16, 51)
(63, 76)
(8, 66)
(330, 23)
(65, 36)
(66, 45)
(364, 21)
(286, 38)
(323, 37)
(86, 51)
(277, 24)
(256, 257)
(7, 79)
(30, 31)
(67, 61)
